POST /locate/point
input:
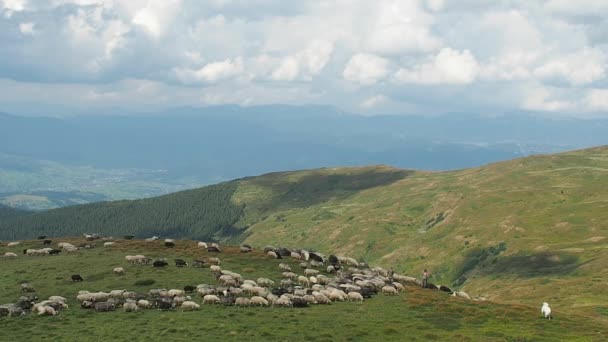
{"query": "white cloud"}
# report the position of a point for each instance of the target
(400, 26)
(579, 68)
(597, 100)
(287, 71)
(212, 72)
(447, 67)
(27, 29)
(156, 16)
(366, 69)
(335, 52)
(541, 99)
(374, 101)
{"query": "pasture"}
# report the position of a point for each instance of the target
(415, 314)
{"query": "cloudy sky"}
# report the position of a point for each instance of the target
(376, 56)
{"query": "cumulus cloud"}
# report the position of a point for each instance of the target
(26, 29)
(511, 55)
(212, 72)
(447, 67)
(366, 69)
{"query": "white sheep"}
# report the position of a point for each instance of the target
(389, 290)
(190, 306)
(13, 244)
(202, 245)
(118, 271)
(289, 275)
(176, 292)
(272, 254)
(296, 255)
(284, 267)
(211, 299)
(331, 269)
(241, 301)
(265, 282)
(214, 261)
(546, 311)
(302, 280)
(258, 301)
(321, 298)
(117, 293)
(355, 296)
(10, 255)
(310, 272)
(59, 299)
(46, 311)
(130, 307)
(108, 244)
(398, 286)
(144, 304)
(282, 302)
(461, 294)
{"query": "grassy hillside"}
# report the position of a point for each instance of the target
(415, 315)
(8, 212)
(523, 231)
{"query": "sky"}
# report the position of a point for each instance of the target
(368, 57)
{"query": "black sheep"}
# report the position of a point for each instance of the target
(180, 263)
(169, 244)
(189, 288)
(42, 237)
(76, 278)
(129, 237)
(159, 263)
(213, 249)
(47, 242)
(54, 251)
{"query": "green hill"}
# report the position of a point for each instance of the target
(8, 212)
(525, 231)
(414, 315)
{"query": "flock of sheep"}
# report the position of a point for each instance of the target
(320, 280)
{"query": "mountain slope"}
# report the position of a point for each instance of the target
(531, 229)
(8, 212)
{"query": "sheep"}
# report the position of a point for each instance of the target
(211, 299)
(176, 292)
(215, 269)
(214, 261)
(63, 245)
(310, 272)
(546, 311)
(355, 296)
(284, 267)
(160, 263)
(76, 277)
(389, 290)
(282, 302)
(265, 282)
(398, 286)
(117, 293)
(108, 244)
(286, 282)
(118, 271)
(169, 244)
(179, 300)
(289, 275)
(104, 307)
(190, 306)
(321, 298)
(304, 265)
(241, 301)
(313, 280)
(152, 239)
(46, 311)
(10, 255)
(302, 280)
(143, 304)
(331, 269)
(310, 299)
(348, 261)
(128, 237)
(180, 263)
(13, 244)
(296, 255)
(258, 301)
(337, 295)
(47, 242)
(58, 299)
(227, 280)
(244, 248)
(130, 307)
(461, 294)
(272, 254)
(26, 287)
(202, 244)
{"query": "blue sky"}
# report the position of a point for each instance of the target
(377, 56)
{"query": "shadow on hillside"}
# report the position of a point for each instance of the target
(489, 262)
(318, 188)
(535, 265)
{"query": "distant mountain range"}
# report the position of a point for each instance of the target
(52, 162)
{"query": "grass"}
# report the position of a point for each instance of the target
(417, 314)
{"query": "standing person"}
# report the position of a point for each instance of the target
(391, 273)
(425, 278)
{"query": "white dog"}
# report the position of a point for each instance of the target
(546, 310)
